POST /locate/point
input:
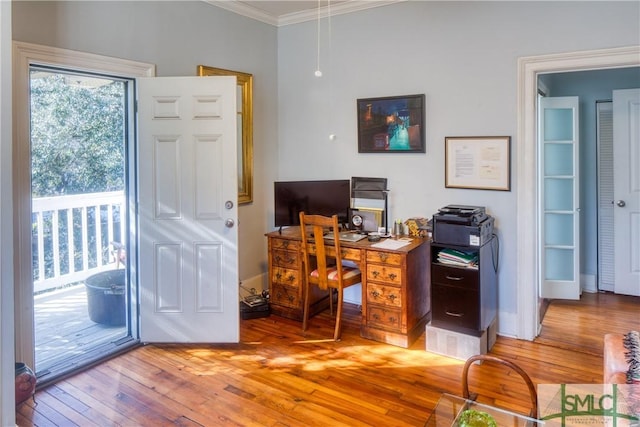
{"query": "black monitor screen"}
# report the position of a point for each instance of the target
(313, 198)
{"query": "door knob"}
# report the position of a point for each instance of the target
(228, 204)
(621, 203)
(229, 223)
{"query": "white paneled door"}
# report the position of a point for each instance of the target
(188, 209)
(626, 217)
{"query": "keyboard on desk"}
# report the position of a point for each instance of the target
(346, 236)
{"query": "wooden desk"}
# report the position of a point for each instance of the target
(395, 285)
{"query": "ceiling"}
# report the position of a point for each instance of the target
(287, 12)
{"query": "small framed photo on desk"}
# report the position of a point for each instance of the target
(371, 219)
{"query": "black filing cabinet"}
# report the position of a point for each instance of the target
(464, 298)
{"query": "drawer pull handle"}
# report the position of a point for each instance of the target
(392, 297)
(383, 257)
(285, 244)
(375, 273)
(291, 278)
(278, 258)
(392, 276)
(375, 294)
(449, 313)
(291, 297)
(454, 278)
(376, 317)
(392, 319)
(278, 275)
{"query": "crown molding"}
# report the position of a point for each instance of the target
(342, 8)
(244, 10)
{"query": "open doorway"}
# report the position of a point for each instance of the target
(529, 68)
(79, 141)
(88, 234)
(592, 87)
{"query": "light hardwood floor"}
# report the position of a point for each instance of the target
(278, 376)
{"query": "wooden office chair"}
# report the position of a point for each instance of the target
(323, 270)
(533, 395)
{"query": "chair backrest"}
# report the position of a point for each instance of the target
(317, 225)
(487, 358)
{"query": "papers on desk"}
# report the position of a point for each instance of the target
(392, 243)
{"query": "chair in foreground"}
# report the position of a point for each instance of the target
(324, 269)
(533, 395)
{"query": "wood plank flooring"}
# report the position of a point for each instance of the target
(569, 325)
(278, 376)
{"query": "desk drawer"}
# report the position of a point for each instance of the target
(384, 257)
(454, 276)
(285, 295)
(286, 276)
(384, 273)
(454, 307)
(350, 254)
(284, 258)
(291, 245)
(384, 317)
(385, 295)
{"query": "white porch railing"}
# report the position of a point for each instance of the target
(72, 234)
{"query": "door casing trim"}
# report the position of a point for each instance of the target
(25, 54)
(527, 277)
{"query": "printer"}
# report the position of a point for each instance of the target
(462, 226)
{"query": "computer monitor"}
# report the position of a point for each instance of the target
(326, 197)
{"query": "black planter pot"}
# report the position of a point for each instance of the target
(106, 297)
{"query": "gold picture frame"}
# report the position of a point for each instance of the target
(245, 128)
(478, 162)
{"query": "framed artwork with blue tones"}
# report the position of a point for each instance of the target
(392, 124)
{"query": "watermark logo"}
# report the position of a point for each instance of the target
(615, 405)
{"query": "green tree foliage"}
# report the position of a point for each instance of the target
(77, 147)
(77, 137)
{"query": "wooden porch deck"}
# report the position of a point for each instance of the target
(65, 336)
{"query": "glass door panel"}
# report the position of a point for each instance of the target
(558, 194)
(558, 159)
(559, 264)
(558, 124)
(558, 229)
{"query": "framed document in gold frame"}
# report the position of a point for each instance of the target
(245, 128)
(478, 162)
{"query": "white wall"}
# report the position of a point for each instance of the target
(177, 36)
(463, 56)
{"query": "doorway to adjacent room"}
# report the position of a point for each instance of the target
(529, 68)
